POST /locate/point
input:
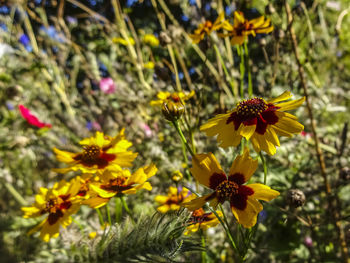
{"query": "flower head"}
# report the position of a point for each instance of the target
(31, 119)
(118, 183)
(58, 202)
(165, 97)
(99, 153)
(257, 120)
(201, 220)
(207, 28)
(151, 40)
(174, 199)
(243, 199)
(243, 27)
(107, 85)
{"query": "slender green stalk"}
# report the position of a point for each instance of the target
(125, 205)
(108, 215)
(204, 253)
(264, 165)
(228, 77)
(173, 61)
(100, 217)
(118, 210)
(250, 83)
(15, 194)
(78, 224)
(183, 139)
(241, 69)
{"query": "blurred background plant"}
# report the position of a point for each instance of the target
(86, 66)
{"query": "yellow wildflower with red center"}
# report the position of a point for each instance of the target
(243, 199)
(243, 27)
(119, 183)
(257, 120)
(201, 220)
(58, 203)
(100, 153)
(207, 28)
(175, 97)
(173, 200)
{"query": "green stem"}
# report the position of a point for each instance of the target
(228, 77)
(125, 205)
(108, 215)
(100, 217)
(118, 210)
(15, 194)
(204, 253)
(264, 165)
(78, 224)
(241, 69)
(183, 139)
(250, 83)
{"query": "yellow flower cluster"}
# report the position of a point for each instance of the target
(102, 161)
(238, 31)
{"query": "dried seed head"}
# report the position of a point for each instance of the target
(164, 39)
(295, 198)
(345, 173)
(173, 110)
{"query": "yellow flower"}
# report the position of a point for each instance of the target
(122, 41)
(149, 65)
(207, 27)
(59, 202)
(92, 235)
(173, 200)
(242, 27)
(257, 120)
(118, 183)
(165, 97)
(243, 198)
(201, 220)
(100, 153)
(150, 40)
(177, 176)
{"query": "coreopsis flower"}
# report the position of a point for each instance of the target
(165, 96)
(257, 120)
(122, 41)
(31, 119)
(243, 199)
(58, 203)
(173, 200)
(242, 28)
(201, 220)
(99, 153)
(119, 183)
(207, 28)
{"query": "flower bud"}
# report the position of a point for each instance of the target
(173, 109)
(295, 198)
(164, 39)
(177, 176)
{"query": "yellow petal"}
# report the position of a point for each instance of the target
(244, 164)
(238, 40)
(263, 192)
(204, 166)
(247, 131)
(198, 202)
(290, 105)
(163, 209)
(102, 193)
(247, 217)
(162, 199)
(284, 96)
(63, 156)
(287, 124)
(257, 22)
(261, 142)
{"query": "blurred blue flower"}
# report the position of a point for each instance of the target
(184, 18)
(207, 7)
(3, 27)
(228, 10)
(103, 70)
(52, 33)
(4, 10)
(129, 3)
(37, 2)
(262, 216)
(89, 125)
(192, 2)
(24, 40)
(93, 2)
(9, 105)
(71, 20)
(191, 71)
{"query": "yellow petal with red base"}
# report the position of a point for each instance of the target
(245, 165)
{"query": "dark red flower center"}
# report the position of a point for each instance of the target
(116, 185)
(174, 97)
(251, 108)
(199, 216)
(94, 155)
(55, 206)
(225, 190)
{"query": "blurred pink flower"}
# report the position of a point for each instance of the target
(31, 119)
(308, 241)
(147, 130)
(107, 85)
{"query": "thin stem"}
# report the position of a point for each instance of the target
(204, 253)
(15, 194)
(250, 83)
(228, 77)
(118, 210)
(108, 215)
(125, 205)
(264, 165)
(183, 139)
(241, 69)
(100, 217)
(78, 224)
